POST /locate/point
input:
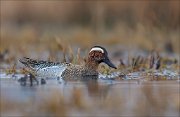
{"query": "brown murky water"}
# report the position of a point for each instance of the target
(110, 98)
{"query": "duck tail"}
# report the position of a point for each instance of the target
(28, 62)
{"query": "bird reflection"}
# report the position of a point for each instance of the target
(95, 88)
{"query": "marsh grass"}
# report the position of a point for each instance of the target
(149, 63)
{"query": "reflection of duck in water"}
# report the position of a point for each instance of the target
(97, 89)
(68, 71)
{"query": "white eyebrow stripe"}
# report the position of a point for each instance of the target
(97, 49)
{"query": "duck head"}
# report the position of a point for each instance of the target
(97, 55)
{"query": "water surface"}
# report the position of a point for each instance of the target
(113, 98)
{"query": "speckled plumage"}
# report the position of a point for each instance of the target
(68, 71)
(79, 72)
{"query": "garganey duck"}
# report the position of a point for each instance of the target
(68, 71)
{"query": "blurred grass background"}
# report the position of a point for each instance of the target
(43, 29)
(35, 25)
